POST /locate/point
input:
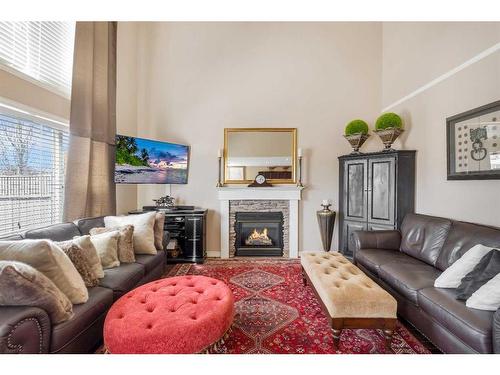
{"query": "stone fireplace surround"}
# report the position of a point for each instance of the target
(277, 198)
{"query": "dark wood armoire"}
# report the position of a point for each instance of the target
(376, 190)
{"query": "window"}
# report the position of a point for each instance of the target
(32, 164)
(42, 51)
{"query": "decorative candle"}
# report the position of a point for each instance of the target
(219, 153)
(325, 202)
(299, 152)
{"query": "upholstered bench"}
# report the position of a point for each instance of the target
(184, 314)
(349, 297)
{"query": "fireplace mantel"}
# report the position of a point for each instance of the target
(292, 194)
(271, 193)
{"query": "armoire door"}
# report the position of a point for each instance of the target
(381, 190)
(355, 188)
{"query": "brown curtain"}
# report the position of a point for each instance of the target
(90, 187)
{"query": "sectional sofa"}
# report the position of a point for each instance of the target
(29, 329)
(407, 262)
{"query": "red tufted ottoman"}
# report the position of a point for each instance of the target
(183, 314)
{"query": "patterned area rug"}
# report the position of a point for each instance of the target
(276, 314)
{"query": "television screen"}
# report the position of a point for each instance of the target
(144, 161)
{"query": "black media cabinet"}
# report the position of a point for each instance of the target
(188, 227)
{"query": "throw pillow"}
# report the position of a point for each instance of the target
(144, 240)
(106, 245)
(88, 247)
(22, 285)
(80, 261)
(487, 297)
(49, 259)
(484, 271)
(125, 242)
(158, 230)
(453, 275)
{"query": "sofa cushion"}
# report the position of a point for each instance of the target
(407, 278)
(423, 236)
(100, 300)
(86, 224)
(372, 259)
(123, 278)
(150, 261)
(159, 230)
(144, 238)
(56, 232)
(462, 237)
(91, 253)
(125, 241)
(22, 285)
(106, 245)
(80, 260)
(469, 325)
(484, 271)
(49, 259)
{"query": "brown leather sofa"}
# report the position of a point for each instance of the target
(29, 330)
(407, 262)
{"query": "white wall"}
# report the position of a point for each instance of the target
(195, 79)
(415, 54)
(186, 82)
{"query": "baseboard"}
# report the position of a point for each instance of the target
(213, 254)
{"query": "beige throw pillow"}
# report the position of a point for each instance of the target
(79, 259)
(88, 247)
(107, 248)
(49, 259)
(158, 230)
(144, 239)
(22, 285)
(125, 242)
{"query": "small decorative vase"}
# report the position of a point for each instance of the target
(356, 141)
(326, 222)
(388, 136)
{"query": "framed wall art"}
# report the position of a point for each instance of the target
(473, 144)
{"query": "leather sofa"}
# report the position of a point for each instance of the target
(407, 262)
(29, 330)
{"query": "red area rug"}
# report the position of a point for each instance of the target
(276, 314)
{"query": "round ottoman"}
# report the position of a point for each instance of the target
(183, 314)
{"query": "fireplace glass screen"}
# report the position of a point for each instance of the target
(259, 234)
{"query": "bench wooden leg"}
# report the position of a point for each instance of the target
(336, 337)
(388, 339)
(337, 326)
(390, 327)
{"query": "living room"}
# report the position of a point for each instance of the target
(296, 185)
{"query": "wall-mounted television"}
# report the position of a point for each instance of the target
(145, 161)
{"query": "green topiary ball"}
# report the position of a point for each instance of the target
(388, 120)
(356, 127)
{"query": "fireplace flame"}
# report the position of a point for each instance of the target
(258, 238)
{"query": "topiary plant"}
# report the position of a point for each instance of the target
(356, 127)
(388, 120)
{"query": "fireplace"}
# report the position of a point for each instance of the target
(259, 234)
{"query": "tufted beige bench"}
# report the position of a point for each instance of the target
(349, 297)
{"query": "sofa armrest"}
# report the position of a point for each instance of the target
(23, 330)
(377, 239)
(496, 332)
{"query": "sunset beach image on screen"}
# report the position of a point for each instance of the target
(145, 161)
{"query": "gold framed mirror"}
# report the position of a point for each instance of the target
(271, 152)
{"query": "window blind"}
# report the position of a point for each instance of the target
(32, 167)
(40, 50)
